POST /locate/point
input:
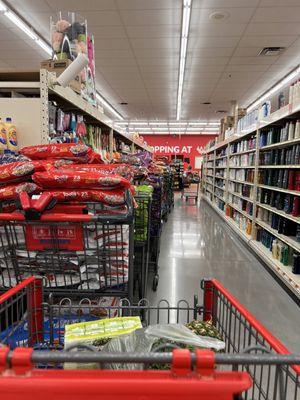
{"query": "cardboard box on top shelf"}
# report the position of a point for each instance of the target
(58, 66)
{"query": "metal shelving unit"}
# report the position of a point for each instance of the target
(290, 280)
(36, 90)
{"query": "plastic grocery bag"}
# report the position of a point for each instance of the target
(181, 334)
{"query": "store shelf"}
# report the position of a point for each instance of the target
(220, 158)
(241, 211)
(279, 212)
(283, 272)
(223, 167)
(211, 176)
(208, 190)
(286, 143)
(244, 182)
(220, 177)
(220, 188)
(242, 152)
(240, 196)
(279, 166)
(241, 167)
(286, 239)
(219, 197)
(294, 192)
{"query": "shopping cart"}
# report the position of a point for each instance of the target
(191, 191)
(255, 365)
(142, 242)
(75, 247)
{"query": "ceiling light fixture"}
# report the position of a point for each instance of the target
(274, 89)
(177, 123)
(197, 123)
(214, 123)
(26, 28)
(138, 123)
(187, 4)
(158, 123)
(108, 106)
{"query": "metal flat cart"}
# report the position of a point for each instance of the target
(192, 191)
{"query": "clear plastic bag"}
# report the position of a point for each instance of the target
(181, 334)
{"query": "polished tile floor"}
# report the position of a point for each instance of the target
(195, 244)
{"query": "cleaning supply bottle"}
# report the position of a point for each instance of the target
(11, 134)
(3, 139)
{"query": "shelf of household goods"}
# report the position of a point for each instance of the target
(286, 239)
(241, 166)
(290, 280)
(279, 166)
(277, 189)
(286, 143)
(219, 197)
(242, 152)
(244, 182)
(279, 212)
(240, 196)
(240, 211)
(283, 272)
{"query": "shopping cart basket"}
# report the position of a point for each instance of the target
(142, 242)
(75, 247)
(254, 358)
(192, 190)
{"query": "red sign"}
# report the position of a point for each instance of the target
(41, 237)
(189, 146)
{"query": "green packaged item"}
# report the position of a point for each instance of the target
(99, 332)
(143, 197)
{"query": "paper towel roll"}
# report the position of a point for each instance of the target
(73, 70)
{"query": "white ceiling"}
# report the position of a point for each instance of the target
(137, 50)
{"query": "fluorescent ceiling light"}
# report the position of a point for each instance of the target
(44, 46)
(210, 129)
(197, 123)
(3, 7)
(177, 123)
(21, 24)
(183, 49)
(214, 123)
(158, 123)
(108, 106)
(275, 89)
(138, 123)
(122, 123)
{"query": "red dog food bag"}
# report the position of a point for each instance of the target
(108, 197)
(119, 169)
(70, 179)
(9, 192)
(15, 172)
(70, 151)
(44, 165)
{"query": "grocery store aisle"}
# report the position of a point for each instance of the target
(195, 244)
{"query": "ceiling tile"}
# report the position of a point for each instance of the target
(267, 41)
(216, 29)
(156, 53)
(210, 52)
(81, 6)
(248, 52)
(108, 32)
(113, 62)
(207, 61)
(117, 54)
(148, 4)
(251, 60)
(111, 44)
(151, 17)
(31, 5)
(275, 28)
(282, 3)
(154, 31)
(214, 42)
(156, 43)
(234, 15)
(246, 68)
(277, 14)
(224, 3)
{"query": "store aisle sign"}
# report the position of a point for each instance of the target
(177, 149)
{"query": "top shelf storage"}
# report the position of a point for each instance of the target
(39, 89)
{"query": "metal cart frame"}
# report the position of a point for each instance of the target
(76, 247)
(142, 243)
(255, 360)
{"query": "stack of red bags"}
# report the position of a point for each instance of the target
(71, 172)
